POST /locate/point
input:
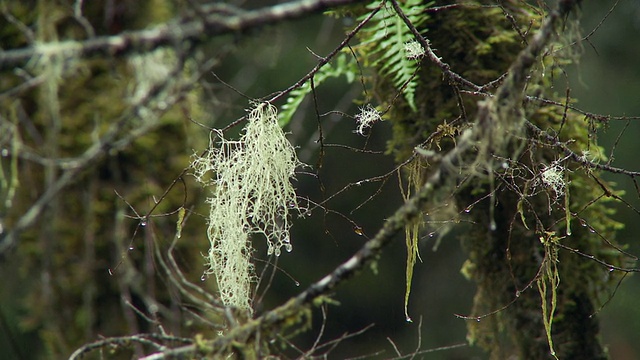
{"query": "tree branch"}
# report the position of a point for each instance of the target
(198, 29)
(112, 139)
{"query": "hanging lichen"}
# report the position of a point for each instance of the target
(252, 194)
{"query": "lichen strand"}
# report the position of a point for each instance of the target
(252, 194)
(480, 44)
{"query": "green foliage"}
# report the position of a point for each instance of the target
(343, 67)
(388, 45)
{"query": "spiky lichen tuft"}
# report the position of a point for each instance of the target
(252, 194)
(367, 116)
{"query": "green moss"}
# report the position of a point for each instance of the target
(480, 43)
(84, 231)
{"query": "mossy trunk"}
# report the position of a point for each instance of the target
(520, 221)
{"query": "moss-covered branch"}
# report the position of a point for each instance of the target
(203, 26)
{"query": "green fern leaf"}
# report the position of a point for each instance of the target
(383, 45)
(343, 67)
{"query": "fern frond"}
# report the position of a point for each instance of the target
(384, 43)
(343, 67)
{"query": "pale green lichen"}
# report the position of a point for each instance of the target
(413, 50)
(553, 177)
(252, 194)
(367, 116)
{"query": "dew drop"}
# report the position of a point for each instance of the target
(288, 247)
(358, 230)
(478, 319)
(359, 183)
(493, 225)
(308, 213)
(277, 252)
(143, 223)
(270, 250)
(292, 204)
(517, 293)
(592, 230)
(130, 248)
(468, 209)
(432, 234)
(408, 319)
(583, 223)
(297, 283)
(110, 272)
(203, 277)
(611, 269)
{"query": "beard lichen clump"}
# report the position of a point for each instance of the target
(252, 194)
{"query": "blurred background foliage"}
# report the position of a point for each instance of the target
(57, 293)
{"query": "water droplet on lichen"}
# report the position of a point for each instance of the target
(358, 230)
